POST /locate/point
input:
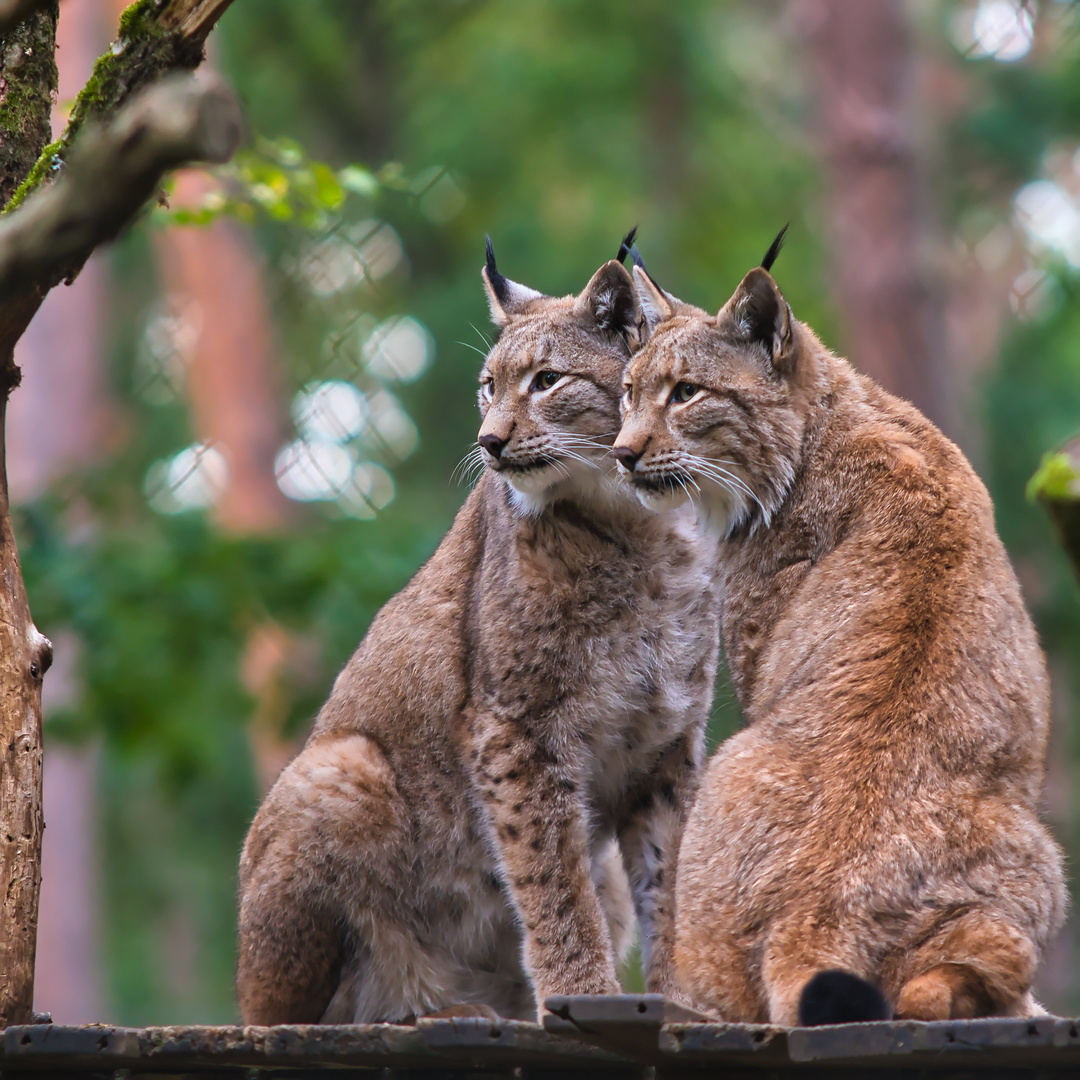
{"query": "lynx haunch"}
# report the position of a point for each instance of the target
(877, 818)
(534, 697)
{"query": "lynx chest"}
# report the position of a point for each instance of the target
(601, 642)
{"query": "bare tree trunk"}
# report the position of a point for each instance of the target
(28, 81)
(232, 385)
(25, 656)
(231, 376)
(41, 244)
(863, 70)
(58, 423)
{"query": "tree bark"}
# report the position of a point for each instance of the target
(25, 656)
(13, 12)
(27, 84)
(110, 176)
(863, 67)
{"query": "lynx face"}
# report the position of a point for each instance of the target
(550, 387)
(711, 405)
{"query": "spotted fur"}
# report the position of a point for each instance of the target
(519, 732)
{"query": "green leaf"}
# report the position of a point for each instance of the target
(1056, 478)
(328, 191)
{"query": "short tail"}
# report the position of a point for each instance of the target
(838, 997)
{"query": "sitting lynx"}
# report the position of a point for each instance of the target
(875, 825)
(538, 691)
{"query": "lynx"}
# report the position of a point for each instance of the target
(536, 695)
(869, 844)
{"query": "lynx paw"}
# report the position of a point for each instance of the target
(945, 992)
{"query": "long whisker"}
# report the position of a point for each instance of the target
(473, 347)
(577, 457)
(468, 465)
(555, 463)
(682, 483)
(709, 469)
(483, 337)
(712, 469)
(716, 472)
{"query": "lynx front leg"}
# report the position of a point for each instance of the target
(538, 820)
(649, 834)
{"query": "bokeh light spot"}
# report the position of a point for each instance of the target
(330, 411)
(193, 479)
(399, 348)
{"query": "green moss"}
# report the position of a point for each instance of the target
(28, 67)
(139, 20)
(46, 163)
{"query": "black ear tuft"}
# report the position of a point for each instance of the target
(838, 997)
(498, 282)
(627, 246)
(774, 249)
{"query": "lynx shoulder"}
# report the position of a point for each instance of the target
(518, 735)
(870, 843)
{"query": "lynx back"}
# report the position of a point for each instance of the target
(875, 825)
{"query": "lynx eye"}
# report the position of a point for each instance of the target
(545, 380)
(628, 395)
(487, 387)
(684, 391)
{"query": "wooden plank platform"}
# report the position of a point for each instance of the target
(612, 1038)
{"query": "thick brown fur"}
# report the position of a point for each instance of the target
(536, 695)
(878, 814)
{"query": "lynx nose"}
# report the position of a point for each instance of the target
(492, 444)
(626, 457)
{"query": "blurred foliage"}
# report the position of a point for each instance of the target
(559, 125)
(1055, 478)
(276, 177)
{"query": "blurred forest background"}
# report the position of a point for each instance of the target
(238, 429)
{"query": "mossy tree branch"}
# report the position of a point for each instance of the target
(113, 170)
(154, 37)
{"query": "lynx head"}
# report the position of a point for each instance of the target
(714, 405)
(550, 386)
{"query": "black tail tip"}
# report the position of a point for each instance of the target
(838, 997)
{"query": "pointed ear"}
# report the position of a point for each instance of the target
(506, 298)
(655, 304)
(762, 316)
(609, 301)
